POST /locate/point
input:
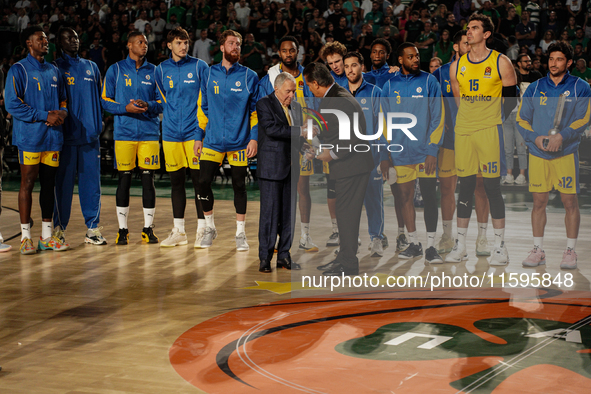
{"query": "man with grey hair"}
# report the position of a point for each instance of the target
(280, 139)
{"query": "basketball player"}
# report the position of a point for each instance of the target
(479, 79)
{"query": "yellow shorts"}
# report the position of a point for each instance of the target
(179, 155)
(235, 158)
(561, 173)
(411, 172)
(147, 153)
(325, 168)
(307, 169)
(481, 151)
(49, 158)
(446, 163)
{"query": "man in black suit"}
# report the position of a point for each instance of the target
(280, 139)
(350, 168)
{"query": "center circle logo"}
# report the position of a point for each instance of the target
(148, 77)
(190, 75)
(237, 84)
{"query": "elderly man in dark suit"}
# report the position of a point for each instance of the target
(280, 139)
(348, 167)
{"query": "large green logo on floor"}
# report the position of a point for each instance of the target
(521, 343)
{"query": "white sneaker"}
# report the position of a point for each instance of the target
(376, 247)
(94, 237)
(209, 234)
(241, 244)
(500, 255)
(333, 240)
(482, 248)
(199, 238)
(446, 244)
(508, 179)
(457, 254)
(175, 238)
(307, 245)
(520, 180)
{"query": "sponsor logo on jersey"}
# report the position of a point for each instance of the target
(363, 101)
(146, 83)
(237, 84)
(147, 160)
(236, 90)
(190, 75)
(462, 70)
(421, 168)
(88, 72)
(301, 84)
(476, 98)
(54, 78)
(54, 157)
(567, 93)
(419, 89)
(195, 160)
(537, 184)
(487, 72)
(484, 168)
(148, 77)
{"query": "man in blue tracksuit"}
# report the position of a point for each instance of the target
(380, 72)
(228, 100)
(36, 99)
(417, 93)
(446, 166)
(368, 96)
(179, 83)
(130, 93)
(554, 160)
(80, 153)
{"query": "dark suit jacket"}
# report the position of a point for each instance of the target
(278, 143)
(348, 163)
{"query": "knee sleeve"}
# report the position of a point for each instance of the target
(428, 191)
(331, 188)
(492, 187)
(239, 186)
(46, 194)
(466, 196)
(206, 174)
(178, 194)
(195, 179)
(148, 189)
(122, 195)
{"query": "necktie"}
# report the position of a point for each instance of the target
(287, 114)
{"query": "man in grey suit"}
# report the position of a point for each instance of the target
(348, 167)
(280, 139)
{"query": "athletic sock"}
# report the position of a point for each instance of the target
(499, 236)
(412, 237)
(180, 224)
(430, 239)
(462, 232)
(305, 230)
(447, 227)
(200, 224)
(240, 227)
(149, 216)
(209, 221)
(335, 228)
(1, 238)
(571, 243)
(25, 231)
(45, 230)
(122, 216)
(400, 230)
(482, 229)
(539, 243)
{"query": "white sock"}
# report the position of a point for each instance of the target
(200, 224)
(1, 238)
(240, 227)
(149, 216)
(430, 239)
(539, 243)
(180, 224)
(209, 221)
(412, 237)
(122, 216)
(482, 229)
(462, 232)
(571, 243)
(305, 230)
(335, 228)
(45, 230)
(26, 231)
(499, 236)
(447, 227)
(400, 230)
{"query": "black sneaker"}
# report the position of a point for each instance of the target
(432, 256)
(148, 235)
(401, 243)
(122, 237)
(385, 243)
(412, 251)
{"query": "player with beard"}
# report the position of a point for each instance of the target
(416, 92)
(228, 100)
(179, 82)
(129, 93)
(38, 113)
(480, 80)
(288, 53)
(446, 165)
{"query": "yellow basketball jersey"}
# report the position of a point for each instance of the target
(481, 90)
(299, 93)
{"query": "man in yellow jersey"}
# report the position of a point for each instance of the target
(479, 80)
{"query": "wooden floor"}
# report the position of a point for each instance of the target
(101, 319)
